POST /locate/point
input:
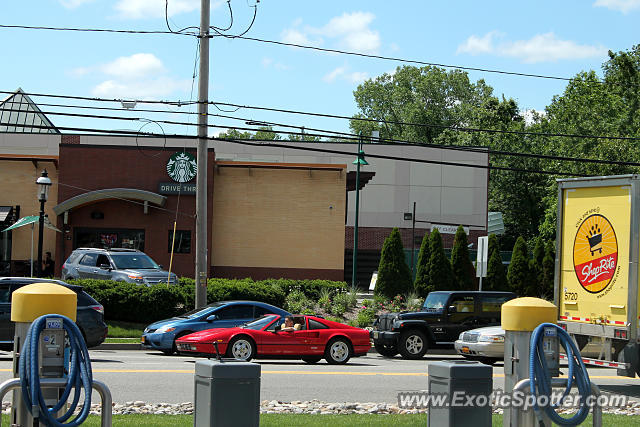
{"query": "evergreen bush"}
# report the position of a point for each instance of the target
(394, 275)
(440, 274)
(461, 264)
(496, 279)
(548, 271)
(518, 274)
(421, 285)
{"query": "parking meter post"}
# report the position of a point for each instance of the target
(215, 344)
(519, 318)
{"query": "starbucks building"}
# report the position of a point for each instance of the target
(131, 193)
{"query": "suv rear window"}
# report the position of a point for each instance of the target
(492, 304)
(73, 257)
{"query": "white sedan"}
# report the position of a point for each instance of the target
(483, 344)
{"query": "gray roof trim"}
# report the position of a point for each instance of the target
(109, 193)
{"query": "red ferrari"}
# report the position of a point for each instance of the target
(312, 339)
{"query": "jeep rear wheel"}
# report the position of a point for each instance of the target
(386, 350)
(412, 344)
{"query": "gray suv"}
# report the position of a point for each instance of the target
(128, 265)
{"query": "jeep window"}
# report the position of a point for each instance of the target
(435, 301)
(493, 304)
(89, 259)
(4, 293)
(135, 260)
(463, 304)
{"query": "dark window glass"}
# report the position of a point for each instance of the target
(493, 304)
(182, 245)
(314, 324)
(260, 311)
(102, 260)
(235, 312)
(463, 304)
(279, 322)
(107, 238)
(124, 260)
(4, 294)
(89, 259)
(73, 257)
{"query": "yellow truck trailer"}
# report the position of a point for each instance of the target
(596, 271)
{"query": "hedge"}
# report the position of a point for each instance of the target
(141, 304)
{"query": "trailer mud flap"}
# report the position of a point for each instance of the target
(629, 354)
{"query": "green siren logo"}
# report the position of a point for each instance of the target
(182, 167)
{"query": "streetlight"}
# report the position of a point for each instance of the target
(359, 161)
(44, 182)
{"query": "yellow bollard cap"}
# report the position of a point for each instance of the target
(34, 300)
(525, 314)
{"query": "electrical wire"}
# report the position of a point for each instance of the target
(347, 138)
(89, 30)
(335, 116)
(269, 143)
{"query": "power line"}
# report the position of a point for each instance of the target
(270, 143)
(90, 30)
(344, 136)
(335, 116)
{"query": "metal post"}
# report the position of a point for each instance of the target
(413, 241)
(355, 228)
(201, 178)
(40, 238)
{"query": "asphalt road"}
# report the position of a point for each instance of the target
(152, 377)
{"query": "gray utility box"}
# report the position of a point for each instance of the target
(460, 381)
(227, 394)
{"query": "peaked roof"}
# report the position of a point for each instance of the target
(18, 113)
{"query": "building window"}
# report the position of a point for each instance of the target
(182, 244)
(108, 238)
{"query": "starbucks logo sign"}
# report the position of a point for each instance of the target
(182, 167)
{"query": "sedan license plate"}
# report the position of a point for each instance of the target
(465, 350)
(375, 335)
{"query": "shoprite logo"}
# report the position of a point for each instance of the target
(595, 253)
(182, 167)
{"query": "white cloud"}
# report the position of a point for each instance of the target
(624, 6)
(343, 73)
(540, 48)
(270, 63)
(139, 76)
(350, 31)
(72, 4)
(141, 9)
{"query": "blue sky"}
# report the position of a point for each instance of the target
(544, 37)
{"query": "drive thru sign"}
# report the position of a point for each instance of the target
(482, 258)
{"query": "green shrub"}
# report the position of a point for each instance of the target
(367, 303)
(325, 299)
(394, 275)
(518, 273)
(421, 284)
(461, 264)
(296, 302)
(334, 319)
(365, 317)
(352, 296)
(340, 304)
(441, 276)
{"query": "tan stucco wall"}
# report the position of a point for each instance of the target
(278, 218)
(18, 178)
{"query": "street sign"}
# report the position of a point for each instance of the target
(483, 256)
(495, 224)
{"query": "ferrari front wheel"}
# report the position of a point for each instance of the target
(241, 348)
(338, 351)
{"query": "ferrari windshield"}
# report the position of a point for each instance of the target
(260, 322)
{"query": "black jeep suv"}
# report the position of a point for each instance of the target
(444, 315)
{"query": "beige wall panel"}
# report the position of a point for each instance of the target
(288, 218)
(19, 188)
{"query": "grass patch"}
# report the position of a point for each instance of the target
(125, 329)
(122, 340)
(308, 420)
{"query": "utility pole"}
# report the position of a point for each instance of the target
(203, 145)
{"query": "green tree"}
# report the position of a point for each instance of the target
(421, 285)
(394, 275)
(426, 95)
(496, 279)
(440, 273)
(461, 264)
(548, 270)
(518, 273)
(535, 264)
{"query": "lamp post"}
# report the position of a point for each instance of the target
(358, 162)
(44, 182)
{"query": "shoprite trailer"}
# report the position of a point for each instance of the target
(596, 270)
